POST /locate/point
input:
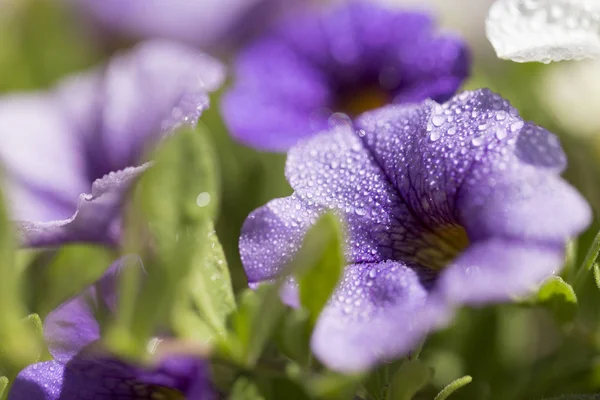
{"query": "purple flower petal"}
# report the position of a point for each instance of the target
(41, 381)
(93, 132)
(90, 376)
(465, 197)
(208, 23)
(96, 218)
(39, 153)
(495, 269)
(355, 55)
(74, 324)
(138, 98)
(380, 310)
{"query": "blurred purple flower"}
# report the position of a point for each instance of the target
(80, 371)
(351, 58)
(210, 24)
(70, 154)
(460, 203)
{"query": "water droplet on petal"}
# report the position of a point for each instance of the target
(435, 135)
(477, 140)
(501, 133)
(438, 120)
(203, 199)
(515, 126)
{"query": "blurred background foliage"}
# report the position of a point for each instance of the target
(512, 352)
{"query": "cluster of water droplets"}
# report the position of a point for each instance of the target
(544, 30)
(367, 290)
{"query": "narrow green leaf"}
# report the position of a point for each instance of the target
(411, 377)
(319, 264)
(559, 297)
(19, 345)
(170, 224)
(378, 381)
(55, 276)
(3, 385)
(583, 274)
(244, 389)
(210, 283)
(577, 397)
(333, 386)
(294, 336)
(278, 387)
(255, 322)
(453, 386)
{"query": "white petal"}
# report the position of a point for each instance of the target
(544, 30)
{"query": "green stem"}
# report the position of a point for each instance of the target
(588, 263)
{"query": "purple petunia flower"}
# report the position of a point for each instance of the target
(70, 154)
(207, 23)
(348, 59)
(460, 203)
(80, 371)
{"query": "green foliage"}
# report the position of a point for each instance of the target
(411, 377)
(319, 264)
(170, 224)
(254, 323)
(377, 383)
(559, 297)
(30, 60)
(56, 275)
(244, 389)
(3, 385)
(19, 342)
(453, 386)
(294, 336)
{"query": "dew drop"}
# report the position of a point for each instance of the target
(501, 133)
(438, 120)
(361, 133)
(360, 211)
(203, 199)
(435, 135)
(515, 126)
(477, 140)
(501, 115)
(451, 131)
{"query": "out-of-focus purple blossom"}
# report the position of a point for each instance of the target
(353, 57)
(211, 24)
(81, 371)
(460, 203)
(70, 154)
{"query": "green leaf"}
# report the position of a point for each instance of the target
(333, 386)
(577, 397)
(244, 389)
(453, 386)
(411, 377)
(255, 322)
(558, 296)
(277, 387)
(294, 336)
(55, 276)
(378, 381)
(19, 344)
(170, 224)
(40, 42)
(319, 264)
(210, 283)
(3, 385)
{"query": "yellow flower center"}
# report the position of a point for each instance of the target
(441, 246)
(365, 99)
